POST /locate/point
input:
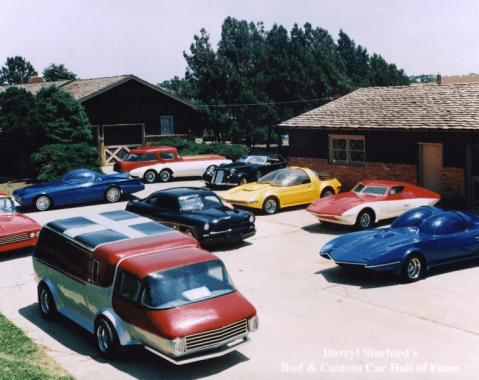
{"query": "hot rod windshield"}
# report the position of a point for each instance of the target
(370, 190)
(285, 177)
(257, 160)
(78, 177)
(187, 284)
(196, 202)
(6, 206)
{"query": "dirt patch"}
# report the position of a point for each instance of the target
(9, 187)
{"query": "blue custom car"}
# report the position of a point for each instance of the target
(198, 213)
(248, 168)
(78, 186)
(418, 240)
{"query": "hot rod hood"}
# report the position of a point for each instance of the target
(363, 246)
(340, 203)
(201, 316)
(11, 224)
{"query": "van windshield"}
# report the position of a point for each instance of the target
(187, 284)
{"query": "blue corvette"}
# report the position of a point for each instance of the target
(418, 240)
(78, 186)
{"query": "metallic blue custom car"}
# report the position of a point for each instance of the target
(78, 186)
(198, 213)
(418, 240)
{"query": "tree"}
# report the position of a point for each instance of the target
(18, 115)
(54, 73)
(62, 118)
(16, 70)
(355, 59)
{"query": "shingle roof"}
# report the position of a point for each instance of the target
(84, 89)
(451, 106)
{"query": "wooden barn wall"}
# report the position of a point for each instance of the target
(134, 103)
(385, 146)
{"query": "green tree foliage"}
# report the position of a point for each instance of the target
(18, 117)
(258, 78)
(230, 151)
(16, 70)
(55, 73)
(58, 159)
(62, 118)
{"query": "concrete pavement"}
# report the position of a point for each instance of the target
(316, 320)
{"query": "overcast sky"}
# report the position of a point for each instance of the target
(98, 38)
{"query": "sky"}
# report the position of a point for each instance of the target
(147, 38)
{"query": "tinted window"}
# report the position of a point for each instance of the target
(167, 156)
(396, 190)
(443, 224)
(129, 286)
(413, 218)
(138, 157)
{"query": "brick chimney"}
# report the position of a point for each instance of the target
(31, 80)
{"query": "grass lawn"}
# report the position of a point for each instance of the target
(22, 359)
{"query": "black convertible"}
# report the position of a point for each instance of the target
(198, 213)
(248, 168)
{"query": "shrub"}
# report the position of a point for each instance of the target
(230, 151)
(58, 159)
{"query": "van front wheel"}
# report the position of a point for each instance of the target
(106, 338)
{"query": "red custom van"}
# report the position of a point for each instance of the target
(132, 281)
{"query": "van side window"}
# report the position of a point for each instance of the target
(129, 286)
(94, 271)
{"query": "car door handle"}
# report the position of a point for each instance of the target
(309, 185)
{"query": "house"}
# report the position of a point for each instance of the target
(125, 112)
(423, 135)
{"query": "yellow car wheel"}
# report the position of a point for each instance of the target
(270, 205)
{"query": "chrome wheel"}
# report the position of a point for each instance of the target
(365, 220)
(44, 301)
(257, 175)
(113, 194)
(42, 203)
(327, 193)
(103, 338)
(165, 175)
(414, 268)
(189, 232)
(243, 181)
(150, 176)
(270, 206)
(106, 338)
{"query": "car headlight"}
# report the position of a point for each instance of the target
(32, 235)
(251, 219)
(206, 227)
(180, 346)
(232, 171)
(253, 323)
(38, 233)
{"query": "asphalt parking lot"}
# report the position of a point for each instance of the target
(316, 320)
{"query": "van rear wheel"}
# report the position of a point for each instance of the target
(46, 303)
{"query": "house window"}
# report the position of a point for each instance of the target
(346, 150)
(167, 125)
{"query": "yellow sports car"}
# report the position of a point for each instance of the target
(281, 188)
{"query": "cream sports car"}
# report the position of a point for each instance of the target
(281, 188)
